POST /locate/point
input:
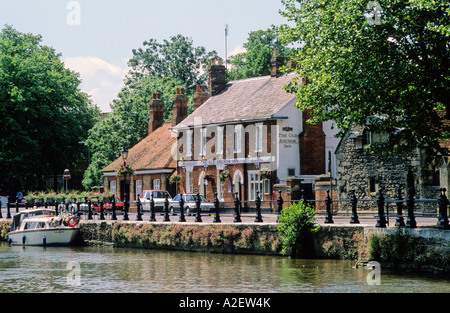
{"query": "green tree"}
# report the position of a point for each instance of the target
(177, 58)
(296, 224)
(43, 114)
(155, 67)
(255, 61)
(127, 124)
(386, 62)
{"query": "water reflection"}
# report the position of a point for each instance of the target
(107, 269)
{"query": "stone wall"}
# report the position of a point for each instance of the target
(366, 173)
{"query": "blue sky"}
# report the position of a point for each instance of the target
(95, 37)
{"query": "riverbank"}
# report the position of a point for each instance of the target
(421, 249)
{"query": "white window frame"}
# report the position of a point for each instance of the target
(255, 183)
(156, 184)
(237, 138)
(189, 143)
(113, 187)
(219, 142)
(203, 142)
(138, 184)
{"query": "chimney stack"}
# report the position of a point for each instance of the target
(156, 113)
(276, 62)
(200, 97)
(180, 103)
(217, 77)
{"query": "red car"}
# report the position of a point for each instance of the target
(107, 207)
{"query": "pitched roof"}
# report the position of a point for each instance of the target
(152, 152)
(247, 99)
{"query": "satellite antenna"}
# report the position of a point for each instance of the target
(226, 39)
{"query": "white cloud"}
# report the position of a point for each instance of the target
(238, 49)
(100, 79)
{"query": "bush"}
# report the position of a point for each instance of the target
(296, 224)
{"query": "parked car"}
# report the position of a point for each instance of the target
(190, 206)
(159, 196)
(107, 207)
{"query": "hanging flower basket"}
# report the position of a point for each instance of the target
(265, 174)
(174, 179)
(224, 176)
(124, 170)
(209, 177)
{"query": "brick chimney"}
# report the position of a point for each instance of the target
(156, 113)
(180, 102)
(200, 97)
(276, 62)
(217, 77)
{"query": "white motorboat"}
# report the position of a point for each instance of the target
(42, 227)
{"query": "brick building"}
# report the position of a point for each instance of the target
(251, 130)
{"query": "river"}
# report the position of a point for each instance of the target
(108, 269)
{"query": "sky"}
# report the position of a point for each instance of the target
(96, 37)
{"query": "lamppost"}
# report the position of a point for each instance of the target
(124, 153)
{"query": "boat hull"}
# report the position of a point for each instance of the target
(41, 237)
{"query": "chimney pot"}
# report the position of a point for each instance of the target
(213, 61)
(158, 95)
(182, 91)
(198, 88)
(203, 88)
(178, 91)
(154, 96)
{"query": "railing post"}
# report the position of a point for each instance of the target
(125, 208)
(354, 219)
(78, 208)
(113, 206)
(17, 206)
(138, 205)
(1, 216)
(8, 208)
(237, 213)
(166, 209)
(198, 217)
(328, 215)
(258, 218)
(399, 221)
(102, 215)
(216, 206)
(381, 219)
(280, 205)
(152, 210)
(443, 204)
(182, 218)
(411, 219)
(89, 209)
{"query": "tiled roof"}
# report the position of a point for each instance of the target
(152, 152)
(246, 99)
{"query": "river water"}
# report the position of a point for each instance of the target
(108, 269)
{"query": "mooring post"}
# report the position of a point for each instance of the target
(258, 218)
(237, 213)
(182, 218)
(138, 205)
(443, 217)
(166, 209)
(198, 217)
(102, 215)
(399, 221)
(354, 219)
(328, 215)
(411, 219)
(280, 204)
(152, 209)
(216, 206)
(381, 219)
(113, 205)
